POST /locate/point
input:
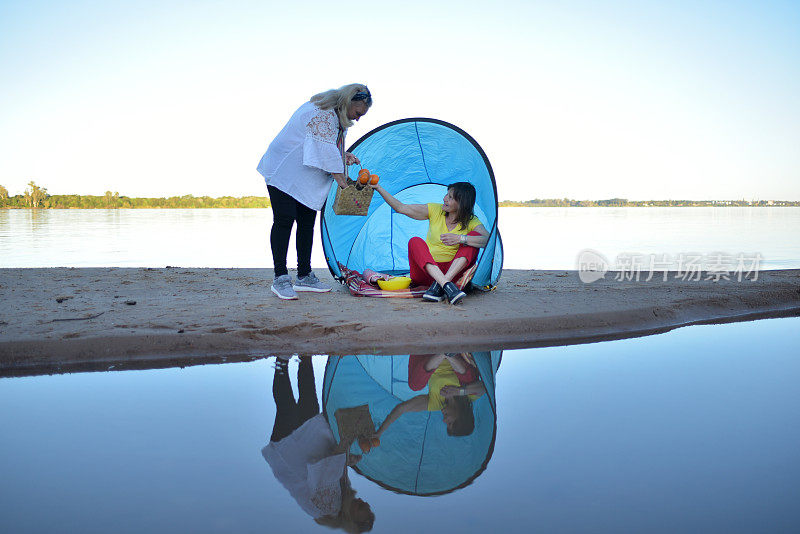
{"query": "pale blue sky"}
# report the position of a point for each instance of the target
(570, 99)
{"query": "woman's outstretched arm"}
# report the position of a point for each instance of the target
(415, 211)
(414, 404)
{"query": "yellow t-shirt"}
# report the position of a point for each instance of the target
(442, 376)
(437, 226)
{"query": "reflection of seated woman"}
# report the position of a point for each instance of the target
(301, 455)
(454, 236)
(453, 384)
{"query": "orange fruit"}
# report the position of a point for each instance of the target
(373, 179)
(363, 171)
(365, 444)
(376, 442)
(363, 178)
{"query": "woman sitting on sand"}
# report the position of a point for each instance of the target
(454, 237)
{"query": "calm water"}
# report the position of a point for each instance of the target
(696, 430)
(534, 238)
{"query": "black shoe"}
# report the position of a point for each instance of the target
(435, 293)
(452, 292)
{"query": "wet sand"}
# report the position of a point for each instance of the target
(70, 319)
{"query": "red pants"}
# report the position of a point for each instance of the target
(419, 255)
(418, 376)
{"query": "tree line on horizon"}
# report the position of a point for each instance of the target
(36, 196)
(625, 203)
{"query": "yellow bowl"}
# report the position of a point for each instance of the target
(393, 284)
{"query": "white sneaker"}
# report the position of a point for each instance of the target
(311, 283)
(282, 287)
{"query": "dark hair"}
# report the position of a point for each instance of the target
(464, 421)
(463, 193)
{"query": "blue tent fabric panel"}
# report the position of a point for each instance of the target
(450, 157)
(394, 152)
(348, 371)
(448, 461)
(382, 243)
(487, 363)
(497, 264)
(391, 372)
(488, 272)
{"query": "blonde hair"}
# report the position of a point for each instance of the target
(339, 100)
(342, 520)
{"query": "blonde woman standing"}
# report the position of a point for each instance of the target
(299, 167)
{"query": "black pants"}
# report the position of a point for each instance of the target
(285, 211)
(290, 415)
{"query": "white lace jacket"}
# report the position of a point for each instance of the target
(301, 158)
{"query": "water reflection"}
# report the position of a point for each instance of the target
(422, 424)
(305, 457)
(435, 416)
(696, 430)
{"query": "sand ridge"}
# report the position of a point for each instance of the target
(63, 319)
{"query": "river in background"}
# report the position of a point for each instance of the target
(533, 238)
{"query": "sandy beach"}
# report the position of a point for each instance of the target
(70, 319)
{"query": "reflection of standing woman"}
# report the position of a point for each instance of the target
(301, 455)
(299, 168)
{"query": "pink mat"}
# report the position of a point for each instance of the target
(359, 287)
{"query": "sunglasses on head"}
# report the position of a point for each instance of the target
(362, 95)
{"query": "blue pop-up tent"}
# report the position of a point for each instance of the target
(416, 455)
(416, 159)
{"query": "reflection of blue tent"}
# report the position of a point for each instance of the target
(416, 454)
(416, 160)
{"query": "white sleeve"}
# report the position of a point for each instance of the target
(287, 476)
(324, 483)
(319, 146)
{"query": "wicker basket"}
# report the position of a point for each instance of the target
(353, 423)
(351, 200)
